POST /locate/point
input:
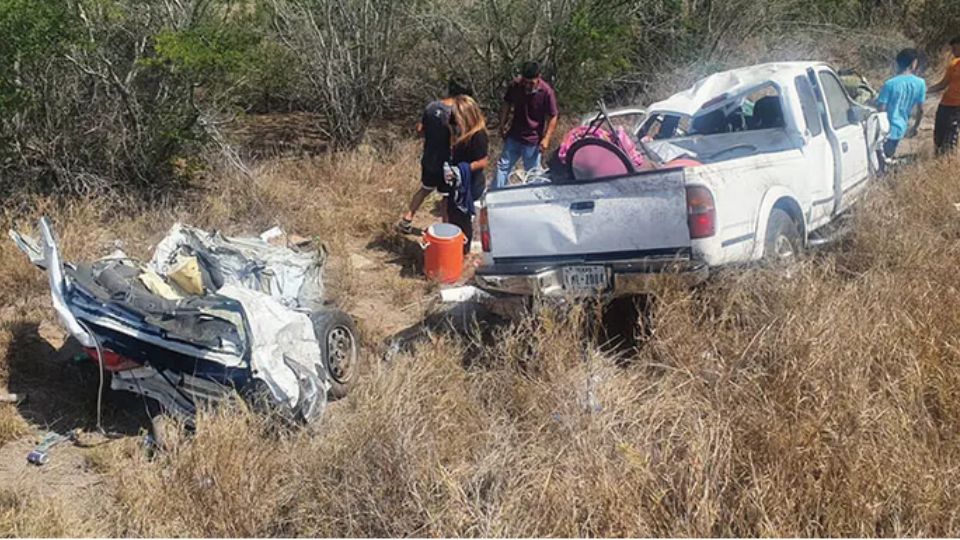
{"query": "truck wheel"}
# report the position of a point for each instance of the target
(783, 240)
(338, 345)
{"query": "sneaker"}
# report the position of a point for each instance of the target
(405, 226)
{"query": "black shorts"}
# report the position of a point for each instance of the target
(431, 179)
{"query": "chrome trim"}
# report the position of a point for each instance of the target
(549, 282)
(737, 240)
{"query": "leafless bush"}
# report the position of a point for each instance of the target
(367, 59)
(350, 53)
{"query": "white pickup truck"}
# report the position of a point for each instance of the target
(747, 164)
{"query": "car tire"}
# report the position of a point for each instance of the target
(339, 346)
(783, 241)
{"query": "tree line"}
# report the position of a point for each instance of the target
(105, 95)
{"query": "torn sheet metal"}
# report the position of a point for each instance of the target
(285, 352)
(291, 277)
(58, 285)
(30, 248)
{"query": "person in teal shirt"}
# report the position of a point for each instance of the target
(899, 97)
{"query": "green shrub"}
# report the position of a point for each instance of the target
(108, 93)
(100, 95)
(935, 23)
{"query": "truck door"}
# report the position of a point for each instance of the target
(850, 140)
(818, 154)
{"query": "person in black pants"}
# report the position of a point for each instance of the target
(946, 131)
(469, 152)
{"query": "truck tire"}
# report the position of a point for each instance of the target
(783, 241)
(338, 345)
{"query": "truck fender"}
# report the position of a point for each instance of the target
(784, 198)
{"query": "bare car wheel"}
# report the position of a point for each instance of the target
(338, 345)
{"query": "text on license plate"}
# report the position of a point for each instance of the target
(581, 278)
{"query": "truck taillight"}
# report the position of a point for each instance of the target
(484, 229)
(701, 212)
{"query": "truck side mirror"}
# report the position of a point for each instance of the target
(857, 115)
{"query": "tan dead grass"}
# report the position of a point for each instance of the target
(12, 425)
(23, 515)
(824, 403)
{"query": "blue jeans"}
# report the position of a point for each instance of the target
(513, 150)
(890, 147)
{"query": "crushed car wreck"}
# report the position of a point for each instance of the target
(208, 318)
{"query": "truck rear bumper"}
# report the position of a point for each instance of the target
(625, 278)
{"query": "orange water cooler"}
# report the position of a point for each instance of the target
(443, 252)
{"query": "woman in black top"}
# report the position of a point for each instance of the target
(469, 146)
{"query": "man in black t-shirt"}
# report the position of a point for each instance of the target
(435, 128)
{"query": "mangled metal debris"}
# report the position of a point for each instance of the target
(209, 317)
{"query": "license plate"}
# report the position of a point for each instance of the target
(585, 278)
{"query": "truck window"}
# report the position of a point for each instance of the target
(837, 102)
(811, 114)
(762, 109)
(664, 126)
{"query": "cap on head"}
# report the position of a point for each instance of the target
(906, 58)
(530, 70)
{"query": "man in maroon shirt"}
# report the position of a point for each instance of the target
(527, 135)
